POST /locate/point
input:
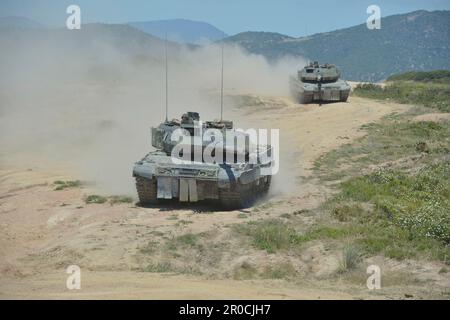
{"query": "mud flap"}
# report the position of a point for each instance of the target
(164, 188)
(193, 196)
(188, 190)
(184, 190)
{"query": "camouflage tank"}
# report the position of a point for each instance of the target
(319, 83)
(235, 184)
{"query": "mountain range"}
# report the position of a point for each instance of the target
(418, 41)
(181, 30)
(19, 22)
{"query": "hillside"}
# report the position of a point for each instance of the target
(418, 40)
(181, 30)
(437, 76)
(94, 46)
(124, 38)
(19, 22)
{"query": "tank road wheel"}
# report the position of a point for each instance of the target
(147, 190)
(302, 99)
(236, 199)
(344, 97)
(266, 184)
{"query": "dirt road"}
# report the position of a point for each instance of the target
(43, 231)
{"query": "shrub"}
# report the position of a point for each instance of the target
(350, 259)
(270, 235)
(433, 95)
(95, 199)
(280, 270)
(273, 235)
(160, 267)
(244, 271)
(347, 212)
(61, 185)
(120, 199)
(186, 240)
(419, 204)
(437, 76)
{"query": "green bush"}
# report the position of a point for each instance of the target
(95, 199)
(347, 212)
(270, 235)
(431, 95)
(244, 271)
(351, 256)
(160, 267)
(437, 76)
(274, 234)
(322, 232)
(120, 199)
(281, 270)
(188, 240)
(386, 141)
(61, 185)
(419, 204)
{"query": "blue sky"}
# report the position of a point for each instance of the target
(291, 17)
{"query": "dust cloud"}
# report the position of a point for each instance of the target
(86, 103)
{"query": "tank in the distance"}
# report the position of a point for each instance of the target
(233, 184)
(320, 83)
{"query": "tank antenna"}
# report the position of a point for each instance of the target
(221, 89)
(167, 81)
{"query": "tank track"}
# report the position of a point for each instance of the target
(235, 198)
(243, 196)
(302, 99)
(147, 190)
(344, 97)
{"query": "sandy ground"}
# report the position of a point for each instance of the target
(43, 231)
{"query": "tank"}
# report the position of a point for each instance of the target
(319, 83)
(233, 184)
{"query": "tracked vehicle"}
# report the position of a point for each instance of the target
(233, 180)
(319, 83)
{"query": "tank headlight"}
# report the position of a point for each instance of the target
(211, 173)
(207, 173)
(164, 171)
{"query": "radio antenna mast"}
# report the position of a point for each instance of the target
(167, 81)
(221, 89)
